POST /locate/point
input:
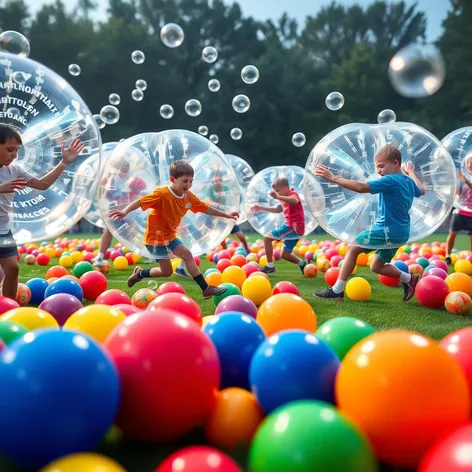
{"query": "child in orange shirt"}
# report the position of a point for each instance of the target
(168, 205)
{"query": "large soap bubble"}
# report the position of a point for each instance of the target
(258, 194)
(349, 152)
(48, 112)
(148, 157)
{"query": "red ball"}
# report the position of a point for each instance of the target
(331, 275)
(170, 287)
(128, 310)
(129, 258)
(238, 260)
(114, 254)
(198, 459)
(93, 284)
(250, 268)
(224, 254)
(107, 254)
(7, 304)
(88, 256)
(43, 259)
(440, 264)
(178, 302)
(335, 260)
(431, 292)
(285, 287)
(389, 281)
(113, 297)
(223, 264)
(169, 372)
(30, 250)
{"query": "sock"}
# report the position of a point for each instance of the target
(145, 273)
(338, 287)
(404, 277)
(201, 281)
(270, 265)
(301, 262)
(100, 255)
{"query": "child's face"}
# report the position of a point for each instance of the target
(8, 152)
(385, 166)
(181, 184)
(282, 190)
(468, 164)
(217, 182)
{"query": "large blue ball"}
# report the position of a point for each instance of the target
(293, 365)
(38, 287)
(236, 337)
(59, 395)
(401, 265)
(65, 286)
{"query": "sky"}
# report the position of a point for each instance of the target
(436, 10)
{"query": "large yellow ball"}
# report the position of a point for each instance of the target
(257, 289)
(263, 261)
(76, 256)
(83, 462)
(31, 318)
(234, 275)
(464, 266)
(175, 263)
(66, 261)
(358, 289)
(120, 263)
(51, 252)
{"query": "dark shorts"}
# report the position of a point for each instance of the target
(461, 223)
(371, 238)
(8, 246)
(165, 251)
(236, 229)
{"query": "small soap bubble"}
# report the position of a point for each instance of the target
(137, 95)
(138, 57)
(166, 111)
(110, 114)
(75, 70)
(214, 138)
(250, 74)
(241, 103)
(386, 116)
(298, 139)
(193, 107)
(99, 121)
(172, 35)
(152, 284)
(335, 101)
(214, 85)
(209, 54)
(114, 99)
(236, 134)
(203, 130)
(141, 85)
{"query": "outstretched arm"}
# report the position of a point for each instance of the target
(277, 209)
(410, 171)
(354, 185)
(214, 212)
(118, 215)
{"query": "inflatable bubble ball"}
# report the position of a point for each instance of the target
(349, 152)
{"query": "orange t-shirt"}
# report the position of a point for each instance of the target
(166, 210)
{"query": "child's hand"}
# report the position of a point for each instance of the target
(117, 215)
(234, 215)
(255, 208)
(12, 186)
(409, 168)
(70, 154)
(273, 194)
(324, 173)
(461, 177)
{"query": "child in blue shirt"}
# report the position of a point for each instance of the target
(392, 226)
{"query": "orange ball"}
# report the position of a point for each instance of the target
(286, 311)
(213, 278)
(362, 259)
(234, 275)
(310, 271)
(56, 271)
(238, 260)
(459, 282)
(234, 418)
(403, 391)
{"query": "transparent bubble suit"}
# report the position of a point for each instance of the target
(47, 111)
(258, 194)
(349, 152)
(146, 158)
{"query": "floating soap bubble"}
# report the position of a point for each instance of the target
(152, 284)
(14, 43)
(244, 174)
(250, 74)
(241, 103)
(74, 69)
(257, 193)
(334, 101)
(203, 130)
(166, 111)
(138, 57)
(149, 156)
(193, 107)
(110, 114)
(114, 99)
(386, 116)
(298, 139)
(417, 71)
(172, 35)
(137, 95)
(236, 134)
(141, 85)
(51, 113)
(214, 138)
(214, 85)
(209, 54)
(99, 121)
(349, 152)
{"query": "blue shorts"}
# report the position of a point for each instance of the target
(165, 251)
(236, 229)
(377, 238)
(286, 232)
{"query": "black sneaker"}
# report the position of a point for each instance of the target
(448, 260)
(409, 288)
(302, 268)
(268, 270)
(328, 293)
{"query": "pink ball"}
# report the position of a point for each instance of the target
(309, 255)
(197, 260)
(114, 254)
(440, 264)
(335, 260)
(277, 254)
(250, 268)
(127, 309)
(436, 272)
(170, 287)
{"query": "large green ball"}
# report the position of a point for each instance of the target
(11, 331)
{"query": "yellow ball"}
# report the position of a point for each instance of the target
(51, 252)
(136, 257)
(251, 257)
(120, 263)
(31, 318)
(76, 256)
(97, 321)
(214, 278)
(83, 462)
(358, 289)
(257, 289)
(342, 249)
(66, 261)
(208, 319)
(454, 258)
(175, 263)
(263, 261)
(234, 275)
(464, 266)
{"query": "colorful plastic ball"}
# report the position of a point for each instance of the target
(30, 259)
(234, 419)
(43, 259)
(260, 274)
(37, 287)
(401, 265)
(285, 287)
(120, 263)
(458, 303)
(143, 297)
(343, 333)
(180, 303)
(293, 365)
(65, 286)
(181, 374)
(286, 311)
(310, 271)
(322, 264)
(113, 297)
(231, 289)
(464, 266)
(214, 278)
(416, 269)
(238, 260)
(76, 257)
(61, 306)
(250, 268)
(423, 262)
(127, 309)
(170, 287)
(198, 459)
(431, 292)
(11, 331)
(115, 254)
(439, 264)
(71, 277)
(223, 264)
(237, 303)
(209, 271)
(256, 288)
(31, 318)
(334, 261)
(236, 337)
(65, 379)
(409, 385)
(234, 275)
(459, 282)
(83, 462)
(331, 275)
(66, 261)
(436, 271)
(104, 268)
(207, 319)
(93, 284)
(56, 271)
(389, 281)
(358, 289)
(7, 304)
(81, 268)
(310, 436)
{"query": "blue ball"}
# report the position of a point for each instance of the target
(209, 271)
(293, 365)
(59, 395)
(401, 265)
(38, 287)
(236, 337)
(215, 258)
(65, 286)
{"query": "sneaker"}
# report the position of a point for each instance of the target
(135, 277)
(268, 270)
(97, 262)
(182, 272)
(409, 288)
(329, 294)
(448, 260)
(149, 260)
(212, 291)
(302, 268)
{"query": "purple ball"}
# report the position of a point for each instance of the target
(437, 272)
(61, 306)
(237, 303)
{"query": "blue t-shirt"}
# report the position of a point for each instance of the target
(396, 193)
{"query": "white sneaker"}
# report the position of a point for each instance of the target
(97, 261)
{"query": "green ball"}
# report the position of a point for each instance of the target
(423, 262)
(11, 331)
(231, 289)
(341, 334)
(81, 268)
(407, 249)
(307, 436)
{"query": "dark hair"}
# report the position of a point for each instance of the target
(9, 132)
(391, 153)
(180, 168)
(280, 181)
